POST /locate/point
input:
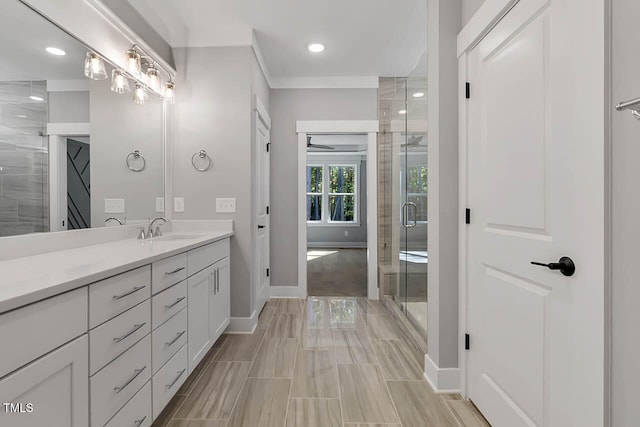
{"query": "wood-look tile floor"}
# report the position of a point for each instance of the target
(323, 362)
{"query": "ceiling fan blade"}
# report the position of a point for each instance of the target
(322, 147)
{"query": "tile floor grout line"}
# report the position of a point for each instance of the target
(450, 409)
(293, 372)
(335, 355)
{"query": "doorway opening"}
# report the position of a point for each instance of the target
(336, 188)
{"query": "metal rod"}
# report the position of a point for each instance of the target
(170, 74)
(629, 105)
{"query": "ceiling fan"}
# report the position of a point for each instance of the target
(414, 141)
(322, 147)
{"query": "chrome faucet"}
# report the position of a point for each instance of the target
(113, 219)
(157, 232)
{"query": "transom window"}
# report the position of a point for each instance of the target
(332, 193)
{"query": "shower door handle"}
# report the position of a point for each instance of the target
(405, 215)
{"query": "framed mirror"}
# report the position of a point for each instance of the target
(74, 151)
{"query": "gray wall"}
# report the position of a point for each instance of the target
(213, 112)
(118, 127)
(334, 234)
(288, 106)
(625, 205)
(443, 26)
(469, 8)
(68, 107)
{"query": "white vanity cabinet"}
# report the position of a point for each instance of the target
(114, 352)
(208, 290)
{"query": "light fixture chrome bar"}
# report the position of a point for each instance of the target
(146, 55)
(633, 104)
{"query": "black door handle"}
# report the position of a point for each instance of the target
(565, 265)
(262, 226)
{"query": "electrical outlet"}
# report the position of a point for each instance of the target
(226, 205)
(178, 204)
(346, 233)
(113, 206)
(160, 204)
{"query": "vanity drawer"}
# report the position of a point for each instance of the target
(167, 303)
(113, 338)
(169, 271)
(29, 332)
(168, 339)
(112, 296)
(112, 387)
(204, 256)
(136, 413)
(168, 380)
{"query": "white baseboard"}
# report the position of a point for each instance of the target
(339, 245)
(287, 292)
(243, 325)
(442, 380)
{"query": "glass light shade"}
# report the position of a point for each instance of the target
(154, 78)
(133, 63)
(139, 94)
(170, 92)
(94, 67)
(119, 82)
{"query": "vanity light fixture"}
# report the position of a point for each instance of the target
(94, 67)
(418, 94)
(133, 62)
(139, 94)
(402, 112)
(170, 92)
(56, 51)
(154, 77)
(119, 82)
(315, 47)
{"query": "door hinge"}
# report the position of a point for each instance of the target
(467, 216)
(267, 210)
(267, 272)
(466, 341)
(268, 146)
(467, 90)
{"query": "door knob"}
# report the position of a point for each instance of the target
(261, 226)
(565, 265)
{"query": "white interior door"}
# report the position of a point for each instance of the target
(536, 335)
(261, 206)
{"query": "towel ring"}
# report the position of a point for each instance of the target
(136, 155)
(201, 155)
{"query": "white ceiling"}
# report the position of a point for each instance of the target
(24, 36)
(362, 37)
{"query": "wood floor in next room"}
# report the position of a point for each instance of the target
(323, 362)
(337, 272)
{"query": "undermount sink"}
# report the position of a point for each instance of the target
(178, 237)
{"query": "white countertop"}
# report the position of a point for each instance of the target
(32, 278)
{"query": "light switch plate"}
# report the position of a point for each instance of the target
(226, 205)
(178, 204)
(113, 206)
(160, 204)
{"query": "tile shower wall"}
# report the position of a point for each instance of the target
(24, 195)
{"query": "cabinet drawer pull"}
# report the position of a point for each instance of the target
(138, 423)
(176, 338)
(173, 304)
(180, 373)
(132, 331)
(130, 380)
(177, 270)
(126, 294)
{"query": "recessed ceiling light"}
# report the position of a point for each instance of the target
(316, 47)
(56, 51)
(21, 116)
(402, 112)
(36, 98)
(418, 94)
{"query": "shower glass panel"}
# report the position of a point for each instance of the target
(403, 186)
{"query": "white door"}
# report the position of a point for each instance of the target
(262, 208)
(535, 190)
(52, 391)
(200, 296)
